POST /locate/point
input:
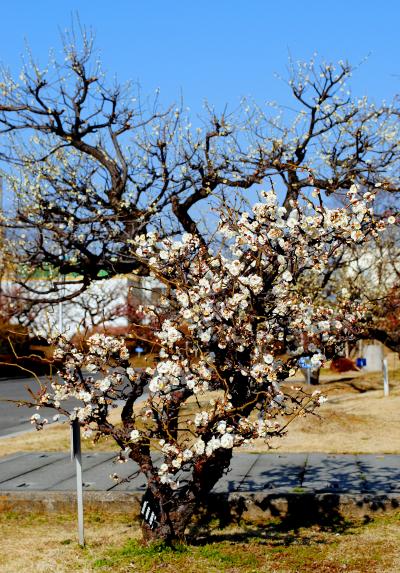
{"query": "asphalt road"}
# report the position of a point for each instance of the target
(13, 418)
(273, 473)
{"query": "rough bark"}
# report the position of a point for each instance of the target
(178, 507)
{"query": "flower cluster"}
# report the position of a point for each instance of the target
(238, 321)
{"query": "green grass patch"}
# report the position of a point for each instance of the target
(144, 558)
(221, 556)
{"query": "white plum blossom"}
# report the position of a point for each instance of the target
(131, 373)
(199, 447)
(201, 419)
(134, 435)
(227, 441)
(169, 334)
(163, 469)
(187, 455)
(221, 428)
(104, 384)
(235, 268)
(85, 396)
(206, 335)
(287, 276)
(212, 445)
(154, 385)
(317, 360)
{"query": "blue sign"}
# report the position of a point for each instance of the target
(360, 362)
(305, 362)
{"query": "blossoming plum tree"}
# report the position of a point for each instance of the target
(103, 183)
(238, 321)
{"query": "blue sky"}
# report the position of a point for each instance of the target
(220, 50)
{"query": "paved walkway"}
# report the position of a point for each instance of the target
(267, 473)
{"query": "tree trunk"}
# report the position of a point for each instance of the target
(176, 508)
(171, 526)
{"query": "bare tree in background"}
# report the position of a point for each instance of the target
(92, 167)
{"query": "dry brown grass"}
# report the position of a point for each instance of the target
(47, 544)
(143, 361)
(356, 419)
(364, 424)
(349, 423)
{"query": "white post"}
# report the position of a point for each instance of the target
(1, 229)
(1, 205)
(60, 317)
(76, 453)
(60, 309)
(385, 377)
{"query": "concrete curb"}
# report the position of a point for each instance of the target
(59, 501)
(307, 507)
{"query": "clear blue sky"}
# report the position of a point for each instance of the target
(220, 50)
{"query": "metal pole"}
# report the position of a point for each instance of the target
(385, 377)
(60, 317)
(1, 233)
(1, 202)
(76, 453)
(60, 309)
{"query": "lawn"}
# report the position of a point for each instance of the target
(365, 423)
(48, 544)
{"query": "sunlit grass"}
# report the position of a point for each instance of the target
(47, 543)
